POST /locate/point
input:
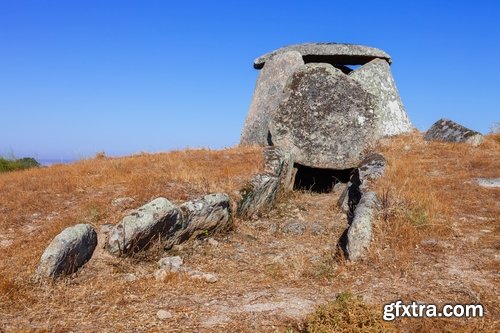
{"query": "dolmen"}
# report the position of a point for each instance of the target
(311, 100)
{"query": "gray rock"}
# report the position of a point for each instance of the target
(163, 314)
(326, 119)
(295, 228)
(359, 234)
(171, 264)
(267, 95)
(259, 194)
(372, 167)
(332, 53)
(488, 182)
(122, 201)
(68, 251)
(376, 78)
(152, 222)
(207, 277)
(450, 131)
(317, 229)
(202, 217)
(160, 274)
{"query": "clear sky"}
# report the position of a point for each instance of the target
(79, 77)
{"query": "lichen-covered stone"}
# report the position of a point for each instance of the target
(202, 216)
(260, 193)
(68, 251)
(267, 95)
(332, 53)
(326, 119)
(152, 222)
(359, 234)
(376, 78)
(449, 131)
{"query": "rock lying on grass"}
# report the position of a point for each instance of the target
(161, 221)
(68, 251)
(359, 234)
(449, 131)
(144, 226)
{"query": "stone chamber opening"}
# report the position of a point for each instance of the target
(319, 180)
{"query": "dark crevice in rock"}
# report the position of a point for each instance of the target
(338, 59)
(319, 180)
(269, 138)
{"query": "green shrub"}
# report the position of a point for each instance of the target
(18, 164)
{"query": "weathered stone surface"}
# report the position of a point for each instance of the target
(68, 251)
(153, 221)
(359, 234)
(376, 78)
(203, 216)
(267, 95)
(450, 131)
(488, 182)
(326, 119)
(171, 264)
(332, 53)
(259, 194)
(372, 167)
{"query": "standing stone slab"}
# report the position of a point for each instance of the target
(137, 231)
(376, 78)
(260, 193)
(326, 119)
(332, 53)
(359, 235)
(450, 131)
(68, 251)
(267, 95)
(202, 216)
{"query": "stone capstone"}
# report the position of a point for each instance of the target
(326, 119)
(267, 95)
(68, 251)
(137, 231)
(376, 78)
(259, 194)
(449, 131)
(332, 53)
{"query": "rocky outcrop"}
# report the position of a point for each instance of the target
(267, 96)
(68, 251)
(376, 78)
(449, 131)
(203, 216)
(260, 193)
(326, 119)
(332, 53)
(359, 234)
(137, 231)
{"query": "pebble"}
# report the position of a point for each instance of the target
(163, 314)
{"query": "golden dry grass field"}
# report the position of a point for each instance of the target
(436, 240)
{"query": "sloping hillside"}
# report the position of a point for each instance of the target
(436, 241)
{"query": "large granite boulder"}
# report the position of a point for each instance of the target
(449, 131)
(326, 119)
(152, 222)
(332, 53)
(68, 251)
(376, 78)
(267, 95)
(259, 195)
(202, 216)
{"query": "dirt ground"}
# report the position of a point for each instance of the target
(436, 240)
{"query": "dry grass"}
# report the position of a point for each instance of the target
(436, 241)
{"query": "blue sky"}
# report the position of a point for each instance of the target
(79, 77)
